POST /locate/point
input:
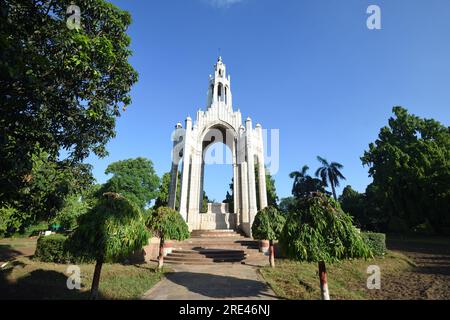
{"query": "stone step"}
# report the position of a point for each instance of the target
(217, 235)
(201, 263)
(215, 230)
(219, 245)
(171, 258)
(193, 257)
(262, 260)
(244, 241)
(206, 252)
(222, 246)
(224, 232)
(215, 246)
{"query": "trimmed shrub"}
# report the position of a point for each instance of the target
(52, 248)
(376, 242)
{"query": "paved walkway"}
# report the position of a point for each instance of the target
(211, 282)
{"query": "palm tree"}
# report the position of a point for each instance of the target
(298, 176)
(330, 173)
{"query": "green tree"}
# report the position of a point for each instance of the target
(268, 225)
(112, 230)
(167, 224)
(76, 205)
(329, 173)
(163, 191)
(229, 198)
(135, 179)
(410, 167)
(61, 89)
(288, 204)
(10, 220)
(354, 203)
(319, 231)
(205, 201)
(304, 185)
(272, 197)
(45, 188)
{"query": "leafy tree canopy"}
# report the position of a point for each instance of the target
(76, 205)
(354, 203)
(304, 185)
(60, 89)
(113, 229)
(45, 189)
(268, 224)
(410, 167)
(320, 231)
(135, 179)
(163, 191)
(330, 174)
(168, 224)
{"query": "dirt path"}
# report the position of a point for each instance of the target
(429, 279)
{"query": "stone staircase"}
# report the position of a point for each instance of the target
(216, 246)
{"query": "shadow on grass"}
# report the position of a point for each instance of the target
(216, 286)
(38, 285)
(8, 253)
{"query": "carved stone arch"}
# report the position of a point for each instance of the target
(225, 128)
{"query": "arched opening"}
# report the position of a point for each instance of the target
(219, 91)
(217, 170)
(217, 177)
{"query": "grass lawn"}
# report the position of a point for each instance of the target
(24, 278)
(346, 279)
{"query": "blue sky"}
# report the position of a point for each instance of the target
(309, 68)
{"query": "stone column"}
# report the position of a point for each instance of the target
(185, 176)
(173, 186)
(252, 207)
(202, 182)
(261, 169)
(178, 138)
(194, 190)
(244, 193)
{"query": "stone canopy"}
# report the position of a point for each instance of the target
(218, 123)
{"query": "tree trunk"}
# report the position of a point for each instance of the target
(96, 278)
(271, 254)
(334, 190)
(323, 281)
(161, 254)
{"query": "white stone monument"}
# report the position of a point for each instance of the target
(219, 123)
